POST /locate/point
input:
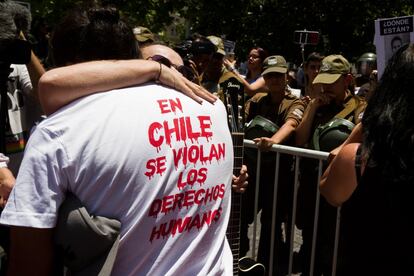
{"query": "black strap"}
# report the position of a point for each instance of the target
(358, 163)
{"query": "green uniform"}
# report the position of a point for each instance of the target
(261, 104)
(352, 110)
(290, 108)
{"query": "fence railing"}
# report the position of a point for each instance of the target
(298, 154)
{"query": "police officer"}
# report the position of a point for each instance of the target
(366, 64)
(215, 69)
(285, 110)
(334, 102)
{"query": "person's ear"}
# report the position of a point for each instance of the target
(348, 79)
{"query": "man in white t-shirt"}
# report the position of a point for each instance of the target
(147, 156)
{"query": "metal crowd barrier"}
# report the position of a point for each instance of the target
(298, 153)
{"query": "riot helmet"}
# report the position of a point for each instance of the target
(332, 134)
(366, 63)
(260, 127)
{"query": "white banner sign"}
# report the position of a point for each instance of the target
(391, 34)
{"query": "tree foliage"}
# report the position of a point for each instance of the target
(346, 27)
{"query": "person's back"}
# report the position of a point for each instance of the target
(374, 231)
(155, 160)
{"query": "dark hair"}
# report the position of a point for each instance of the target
(93, 34)
(314, 56)
(388, 128)
(263, 54)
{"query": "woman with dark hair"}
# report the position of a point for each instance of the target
(373, 180)
(254, 81)
(254, 63)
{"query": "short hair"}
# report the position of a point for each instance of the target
(93, 34)
(314, 56)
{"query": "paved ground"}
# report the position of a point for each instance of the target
(297, 239)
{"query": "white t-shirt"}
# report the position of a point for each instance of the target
(147, 156)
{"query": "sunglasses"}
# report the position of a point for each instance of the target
(186, 71)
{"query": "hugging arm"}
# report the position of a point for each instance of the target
(63, 85)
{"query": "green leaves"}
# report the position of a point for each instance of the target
(346, 27)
